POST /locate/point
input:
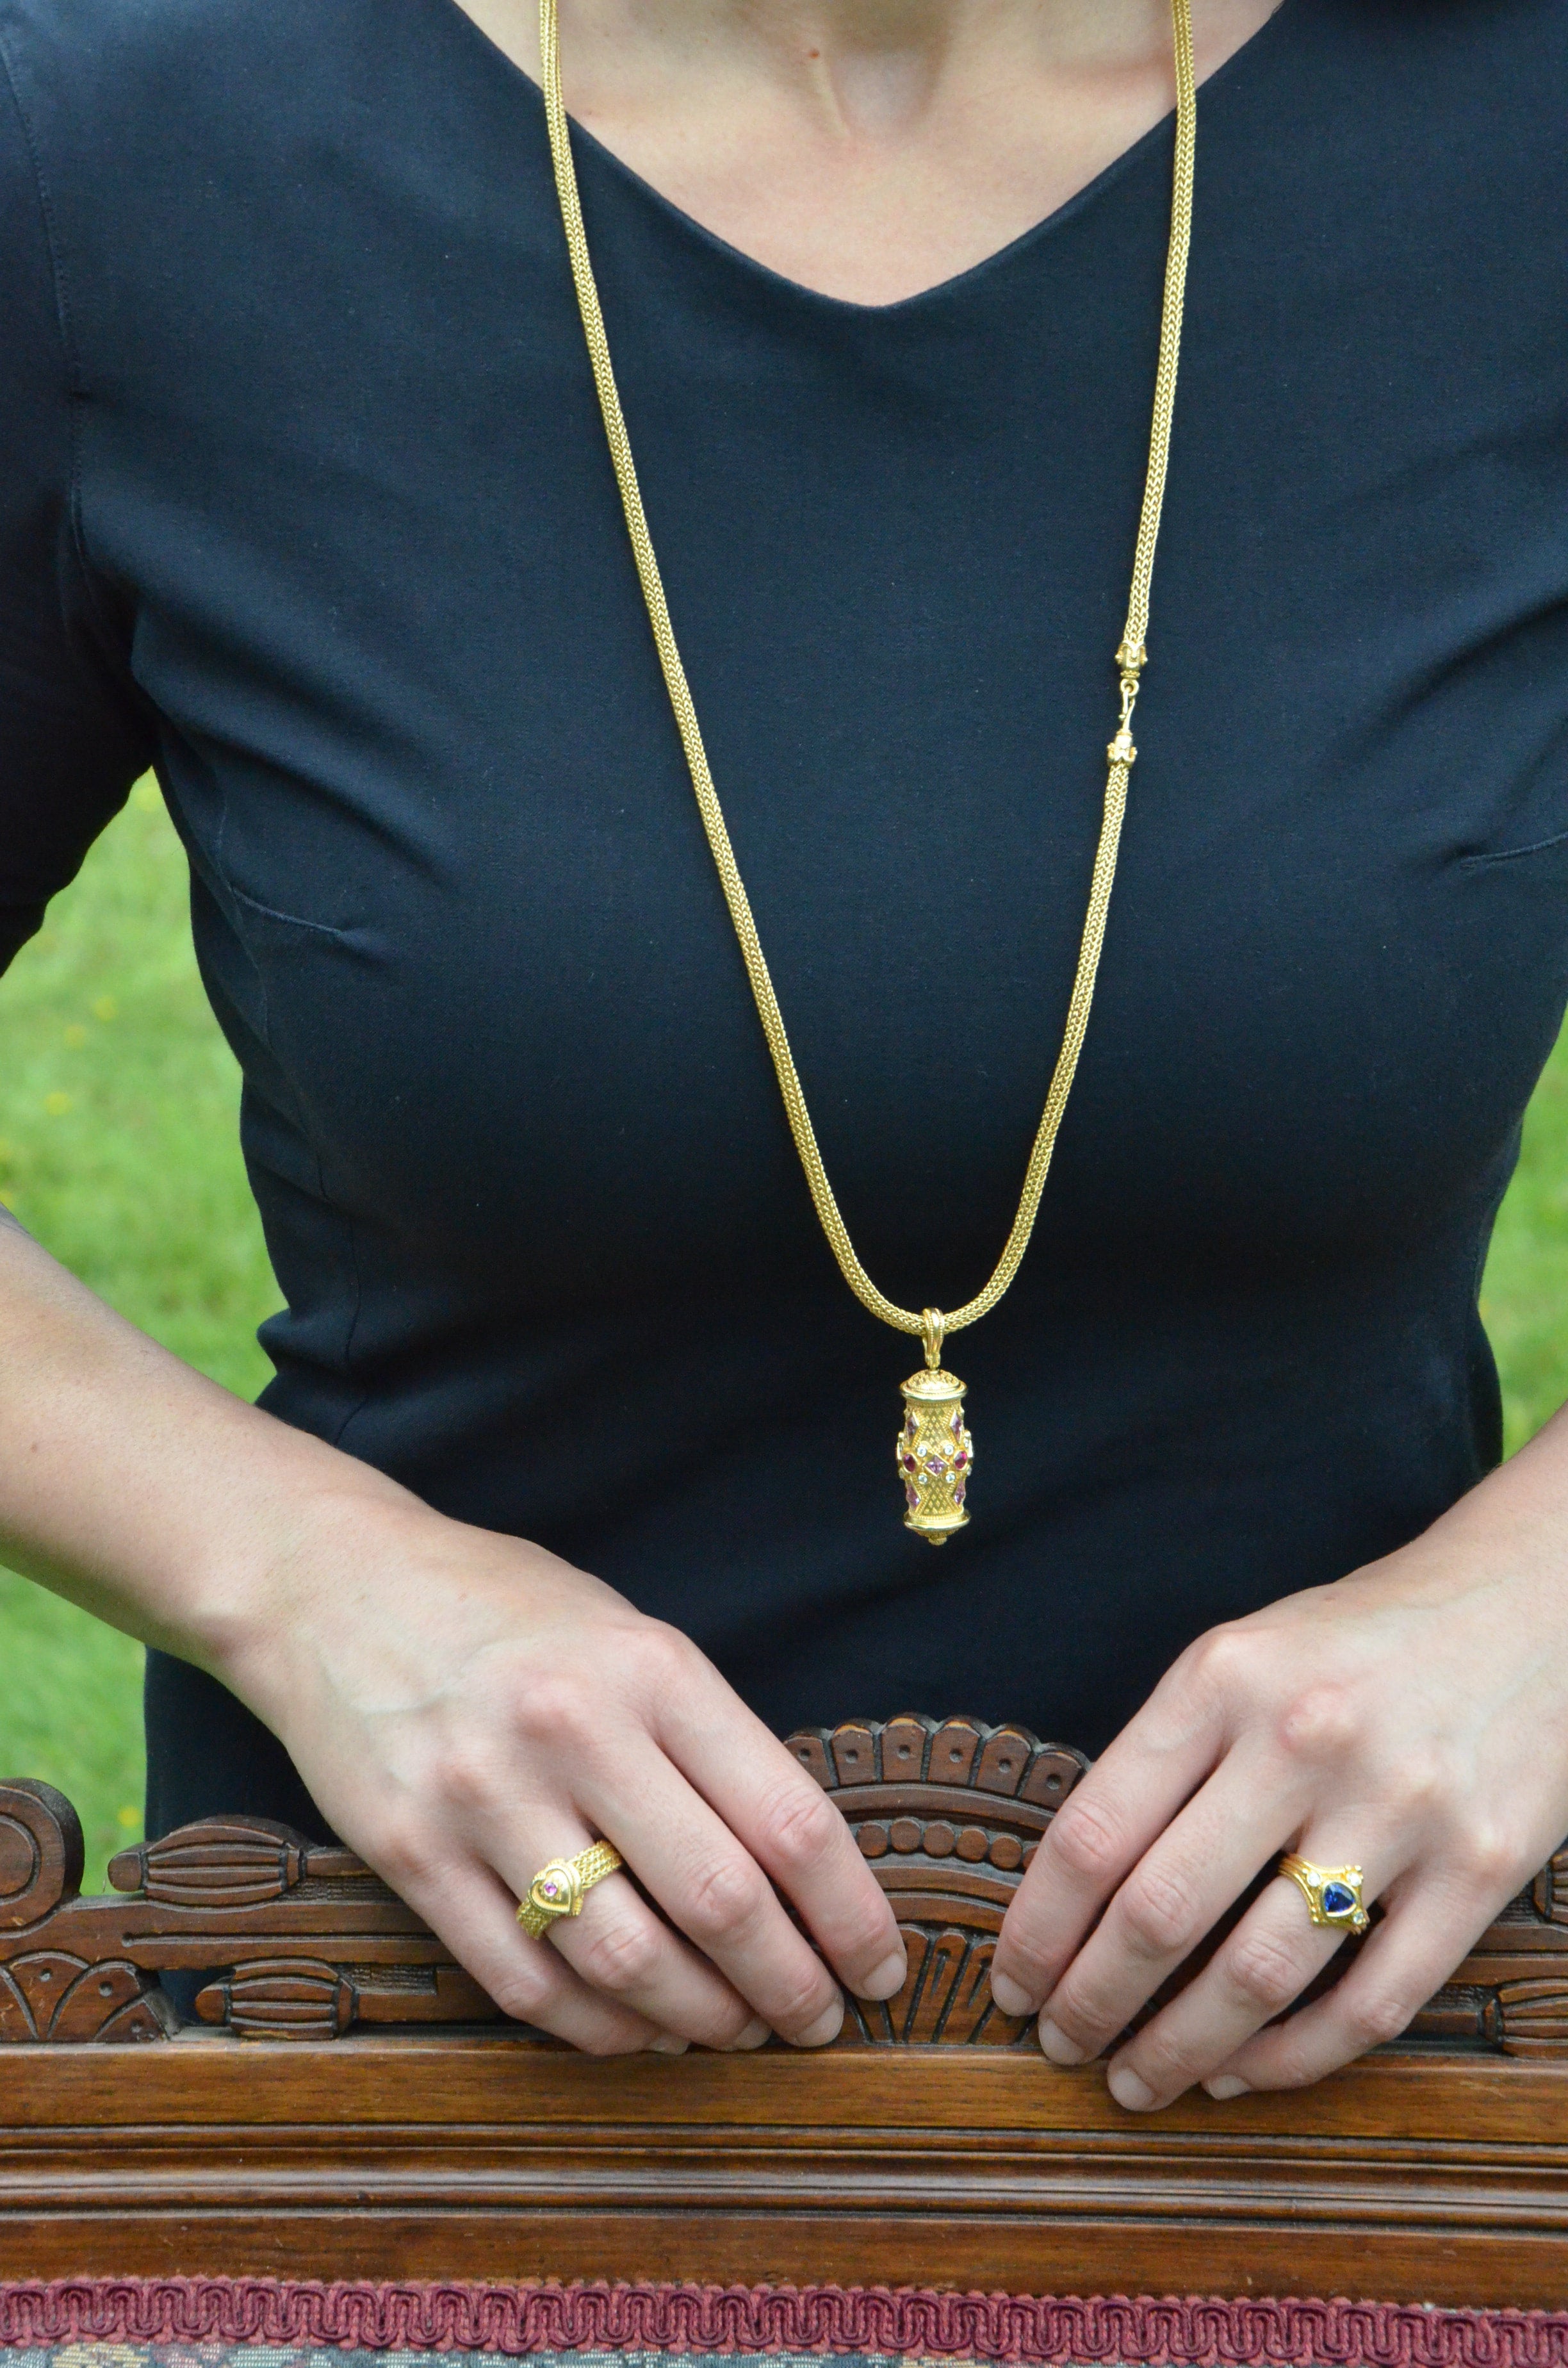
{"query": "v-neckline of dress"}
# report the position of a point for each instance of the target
(957, 283)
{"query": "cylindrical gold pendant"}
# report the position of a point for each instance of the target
(936, 1455)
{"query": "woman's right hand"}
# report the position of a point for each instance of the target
(462, 1707)
(465, 1707)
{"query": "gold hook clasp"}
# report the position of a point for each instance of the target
(1132, 661)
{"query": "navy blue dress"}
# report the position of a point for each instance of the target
(306, 501)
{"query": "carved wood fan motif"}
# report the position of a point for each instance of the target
(950, 1814)
(290, 1940)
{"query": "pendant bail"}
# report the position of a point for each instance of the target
(933, 1325)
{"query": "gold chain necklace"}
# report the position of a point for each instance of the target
(934, 1450)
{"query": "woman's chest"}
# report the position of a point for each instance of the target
(415, 728)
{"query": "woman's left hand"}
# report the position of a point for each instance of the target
(1410, 1720)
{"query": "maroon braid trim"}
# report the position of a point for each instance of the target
(1172, 2332)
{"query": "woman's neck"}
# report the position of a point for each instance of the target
(869, 148)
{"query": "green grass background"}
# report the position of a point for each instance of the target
(118, 1151)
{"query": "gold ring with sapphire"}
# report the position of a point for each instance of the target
(559, 1888)
(1332, 1894)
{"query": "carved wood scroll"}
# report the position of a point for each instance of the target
(297, 1942)
(293, 1940)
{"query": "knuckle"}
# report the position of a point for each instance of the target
(467, 1777)
(1377, 2018)
(1263, 1972)
(555, 1710)
(724, 1899)
(1318, 1724)
(1027, 1951)
(524, 1990)
(1088, 2036)
(1157, 1914)
(1419, 1785)
(1088, 2017)
(1220, 1662)
(721, 2021)
(621, 1955)
(797, 1826)
(1086, 1840)
(1163, 2061)
(801, 2001)
(616, 2038)
(1489, 1859)
(403, 1857)
(1293, 2066)
(662, 1657)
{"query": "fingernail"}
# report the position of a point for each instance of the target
(756, 2034)
(668, 2043)
(888, 1979)
(1225, 2084)
(1009, 1995)
(1055, 2043)
(1129, 2091)
(826, 2026)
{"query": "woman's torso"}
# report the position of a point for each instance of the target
(347, 529)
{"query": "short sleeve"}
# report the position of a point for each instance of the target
(73, 733)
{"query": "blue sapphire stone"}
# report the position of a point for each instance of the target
(1339, 1899)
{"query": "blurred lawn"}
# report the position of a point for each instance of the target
(117, 1149)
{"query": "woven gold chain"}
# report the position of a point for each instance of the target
(1130, 658)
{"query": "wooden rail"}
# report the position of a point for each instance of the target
(401, 2129)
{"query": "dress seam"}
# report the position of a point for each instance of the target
(351, 1231)
(70, 353)
(302, 1118)
(1511, 854)
(273, 912)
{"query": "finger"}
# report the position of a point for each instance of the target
(470, 1907)
(623, 1951)
(790, 1827)
(1401, 1966)
(713, 1889)
(1257, 1972)
(1101, 1832)
(1197, 1867)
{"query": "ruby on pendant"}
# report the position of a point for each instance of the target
(910, 1465)
(959, 1459)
